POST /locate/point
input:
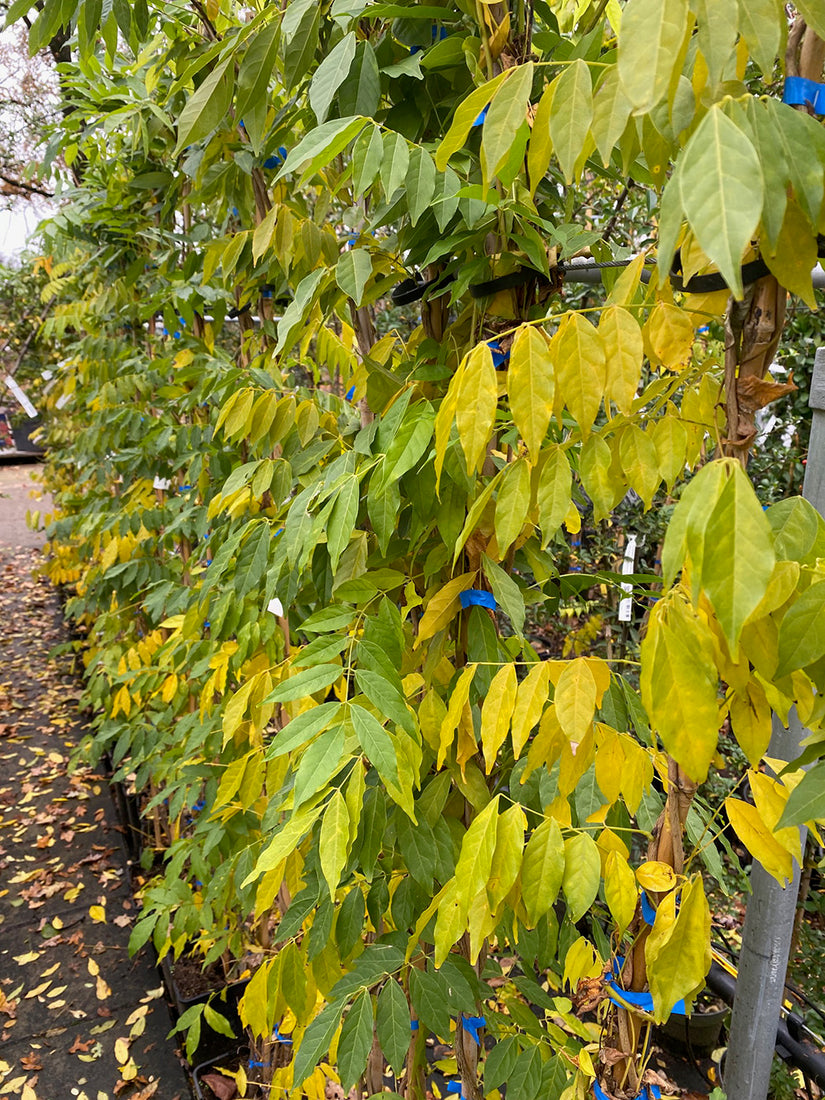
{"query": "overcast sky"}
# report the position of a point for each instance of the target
(15, 227)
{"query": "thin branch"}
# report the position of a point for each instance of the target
(22, 186)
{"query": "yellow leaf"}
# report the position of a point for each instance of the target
(678, 957)
(443, 606)
(679, 684)
(640, 462)
(444, 420)
(770, 797)
(102, 989)
(578, 352)
(531, 695)
(656, 876)
(476, 408)
(620, 891)
(455, 708)
(759, 840)
(610, 765)
(750, 718)
(624, 350)
(670, 440)
(795, 255)
(669, 336)
(541, 146)
(575, 699)
(625, 287)
(97, 913)
(496, 712)
(121, 1050)
(531, 386)
(581, 961)
(512, 504)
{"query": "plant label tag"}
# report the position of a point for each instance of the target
(275, 606)
(628, 566)
(27, 406)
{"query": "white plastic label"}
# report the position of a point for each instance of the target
(628, 566)
(30, 410)
(161, 483)
(275, 606)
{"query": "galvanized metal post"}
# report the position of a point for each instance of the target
(766, 937)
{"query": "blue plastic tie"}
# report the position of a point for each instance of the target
(499, 357)
(413, 1025)
(455, 1088)
(199, 805)
(800, 92)
(252, 1064)
(649, 1092)
(439, 33)
(480, 120)
(276, 158)
(276, 1034)
(642, 1001)
(648, 912)
(476, 597)
(471, 1024)
(348, 396)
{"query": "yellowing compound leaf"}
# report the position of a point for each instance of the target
(570, 117)
(678, 960)
(679, 684)
(496, 712)
(512, 504)
(476, 407)
(759, 840)
(620, 891)
(578, 352)
(554, 490)
(443, 606)
(624, 351)
(531, 386)
(542, 870)
(668, 334)
(531, 696)
(334, 841)
(575, 699)
(750, 719)
(582, 873)
(640, 462)
(475, 861)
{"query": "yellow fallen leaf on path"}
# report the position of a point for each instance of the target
(97, 913)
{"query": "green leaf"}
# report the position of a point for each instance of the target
(505, 115)
(717, 27)
(650, 44)
(320, 146)
(333, 842)
(571, 116)
(512, 504)
(760, 24)
(316, 1040)
(542, 870)
(466, 115)
(721, 188)
(218, 1022)
(367, 156)
(300, 40)
(802, 631)
(319, 763)
(738, 557)
(524, 1082)
(355, 1042)
(360, 93)
(392, 1024)
(507, 594)
(795, 525)
(807, 800)
(611, 111)
(429, 994)
(305, 683)
(582, 872)
(207, 106)
(376, 743)
(253, 80)
(331, 74)
(395, 162)
(499, 1063)
(285, 841)
(419, 182)
(352, 271)
(418, 849)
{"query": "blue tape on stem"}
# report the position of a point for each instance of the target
(642, 1001)
(252, 1064)
(439, 33)
(800, 92)
(276, 1034)
(276, 158)
(499, 357)
(476, 597)
(455, 1088)
(480, 120)
(413, 1025)
(649, 1092)
(471, 1024)
(648, 912)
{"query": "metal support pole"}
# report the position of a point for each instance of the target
(766, 937)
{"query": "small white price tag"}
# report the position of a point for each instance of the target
(275, 606)
(628, 566)
(29, 409)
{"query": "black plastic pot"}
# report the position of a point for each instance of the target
(700, 1032)
(212, 1044)
(204, 1067)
